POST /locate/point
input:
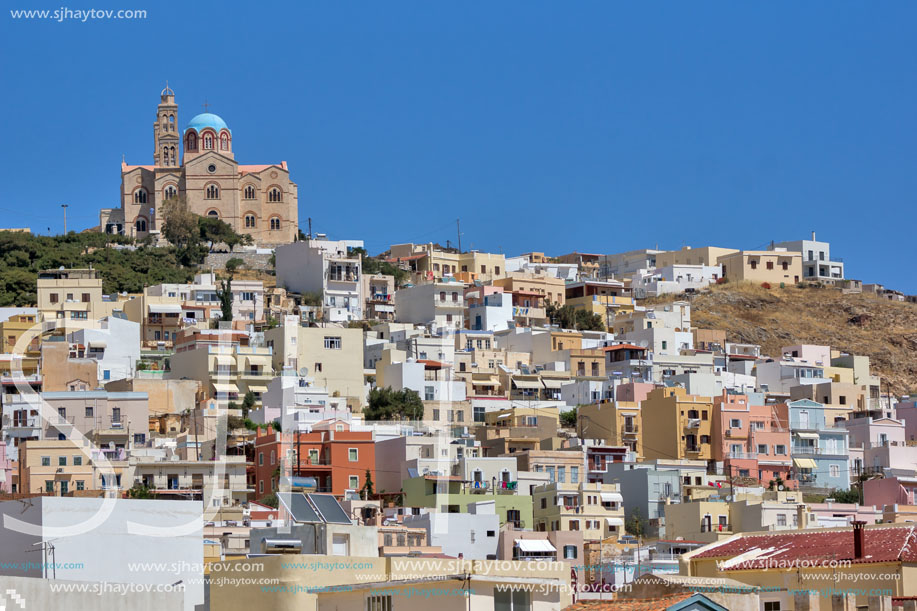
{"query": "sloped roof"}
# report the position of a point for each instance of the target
(637, 604)
(755, 552)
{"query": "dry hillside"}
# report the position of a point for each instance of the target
(885, 331)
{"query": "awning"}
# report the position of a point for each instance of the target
(533, 384)
(535, 545)
(227, 388)
(224, 359)
(807, 435)
(615, 521)
(483, 383)
(97, 343)
(384, 308)
(549, 383)
(165, 308)
(804, 463)
(612, 497)
(257, 388)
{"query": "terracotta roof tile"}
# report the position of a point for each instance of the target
(883, 544)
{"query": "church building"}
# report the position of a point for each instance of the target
(198, 164)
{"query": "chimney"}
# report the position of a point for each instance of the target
(813, 236)
(802, 517)
(859, 539)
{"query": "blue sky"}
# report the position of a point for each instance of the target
(590, 126)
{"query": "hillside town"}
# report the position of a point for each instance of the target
(305, 426)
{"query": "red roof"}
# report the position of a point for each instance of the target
(247, 169)
(428, 364)
(883, 544)
(623, 347)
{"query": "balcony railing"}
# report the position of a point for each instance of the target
(693, 423)
(708, 528)
(742, 456)
(631, 430)
(808, 450)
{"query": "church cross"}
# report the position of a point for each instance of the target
(206, 106)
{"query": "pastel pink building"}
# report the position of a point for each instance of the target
(633, 391)
(889, 491)
(6, 470)
(906, 412)
(815, 355)
(751, 440)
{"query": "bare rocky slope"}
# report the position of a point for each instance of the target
(885, 331)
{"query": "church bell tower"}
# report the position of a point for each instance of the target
(165, 131)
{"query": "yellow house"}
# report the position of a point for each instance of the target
(12, 329)
(608, 298)
(774, 267)
(616, 423)
(427, 262)
(676, 424)
(551, 289)
(706, 255)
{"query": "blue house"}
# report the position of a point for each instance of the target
(818, 449)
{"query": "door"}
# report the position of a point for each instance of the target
(340, 545)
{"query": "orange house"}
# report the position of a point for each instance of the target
(338, 459)
(752, 441)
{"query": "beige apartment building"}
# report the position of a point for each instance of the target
(58, 467)
(615, 423)
(706, 255)
(429, 263)
(332, 356)
(596, 509)
(549, 288)
(774, 267)
(226, 372)
(676, 424)
(70, 294)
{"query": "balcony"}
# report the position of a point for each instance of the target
(631, 430)
(448, 302)
(810, 450)
(692, 423)
(526, 312)
(742, 456)
(259, 374)
(710, 528)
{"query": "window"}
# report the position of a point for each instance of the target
(61, 461)
(115, 415)
(248, 192)
(332, 343)
(735, 423)
(169, 192)
(772, 605)
(569, 552)
(140, 224)
(781, 519)
(275, 195)
(49, 486)
(139, 437)
(191, 142)
(77, 461)
(779, 449)
(574, 524)
(249, 220)
(770, 265)
(753, 264)
(496, 269)
(53, 297)
(224, 142)
(213, 214)
(834, 470)
(45, 461)
(261, 487)
(208, 142)
(562, 475)
(785, 266)
(318, 368)
(428, 393)
(260, 458)
(213, 192)
(354, 482)
(762, 448)
(379, 603)
(79, 315)
(140, 196)
(275, 223)
(353, 454)
(80, 485)
(574, 475)
(483, 269)
(89, 411)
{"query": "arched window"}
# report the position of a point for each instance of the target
(275, 195)
(169, 192)
(249, 220)
(275, 223)
(172, 155)
(140, 196)
(249, 192)
(213, 214)
(213, 192)
(140, 224)
(172, 122)
(224, 142)
(191, 141)
(208, 142)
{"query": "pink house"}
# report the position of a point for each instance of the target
(875, 432)
(889, 491)
(633, 391)
(474, 295)
(906, 412)
(751, 440)
(815, 355)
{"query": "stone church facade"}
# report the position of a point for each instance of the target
(198, 164)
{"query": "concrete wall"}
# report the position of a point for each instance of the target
(35, 593)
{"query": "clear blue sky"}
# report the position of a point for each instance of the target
(590, 126)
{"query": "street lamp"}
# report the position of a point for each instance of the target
(65, 206)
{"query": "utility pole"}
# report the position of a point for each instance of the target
(310, 228)
(458, 227)
(65, 206)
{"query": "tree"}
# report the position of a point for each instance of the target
(367, 491)
(847, 496)
(180, 225)
(213, 230)
(139, 491)
(248, 402)
(388, 404)
(232, 265)
(373, 265)
(568, 418)
(224, 295)
(269, 501)
(635, 524)
(568, 317)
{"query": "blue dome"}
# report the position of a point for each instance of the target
(207, 119)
